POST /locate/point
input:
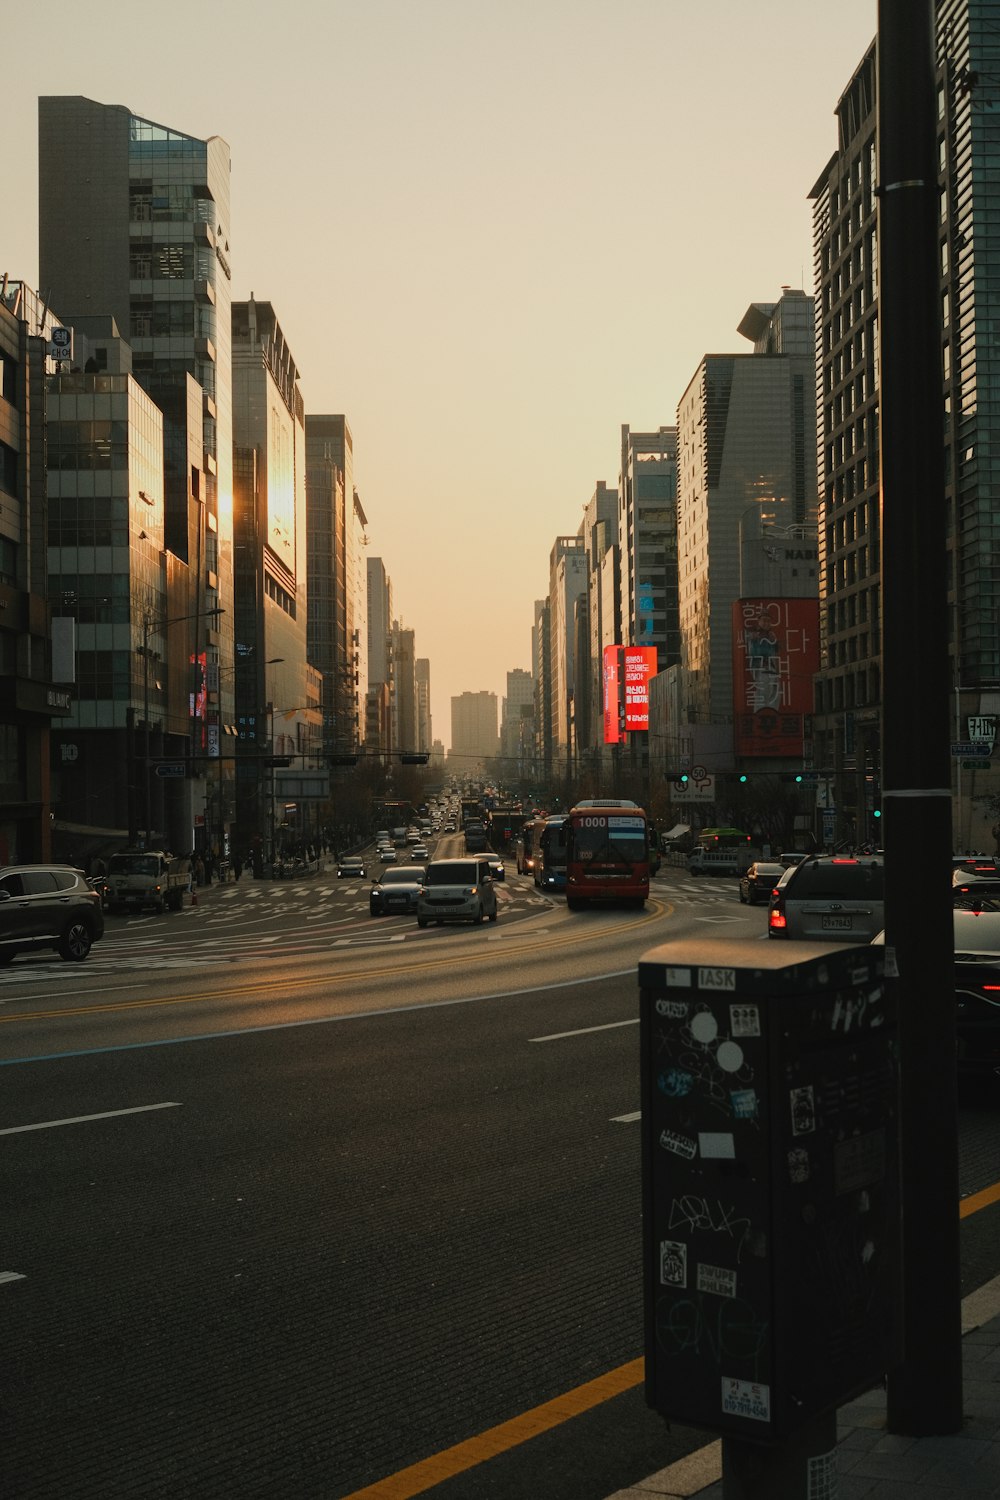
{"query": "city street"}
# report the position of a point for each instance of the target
(327, 1195)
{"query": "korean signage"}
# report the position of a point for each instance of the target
(775, 656)
(612, 727)
(639, 667)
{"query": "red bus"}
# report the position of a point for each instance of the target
(607, 853)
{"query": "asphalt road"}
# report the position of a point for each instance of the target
(295, 1199)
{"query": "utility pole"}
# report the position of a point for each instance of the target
(925, 1394)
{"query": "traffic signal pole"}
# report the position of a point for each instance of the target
(925, 1394)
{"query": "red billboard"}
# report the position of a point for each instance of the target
(639, 667)
(612, 727)
(775, 657)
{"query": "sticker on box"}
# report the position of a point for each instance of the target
(679, 978)
(803, 1110)
(744, 1020)
(680, 1145)
(718, 1280)
(716, 1145)
(673, 1263)
(745, 1398)
(716, 979)
(744, 1103)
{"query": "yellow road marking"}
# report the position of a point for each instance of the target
(423, 1476)
(976, 1201)
(495, 1440)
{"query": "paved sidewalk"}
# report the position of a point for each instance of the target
(876, 1465)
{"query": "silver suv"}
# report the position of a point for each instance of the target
(829, 898)
(48, 906)
(457, 890)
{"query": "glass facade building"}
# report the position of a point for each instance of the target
(849, 688)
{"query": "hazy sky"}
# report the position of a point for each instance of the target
(492, 231)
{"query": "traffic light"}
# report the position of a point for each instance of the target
(681, 776)
(795, 776)
(278, 760)
(742, 777)
(414, 758)
(342, 758)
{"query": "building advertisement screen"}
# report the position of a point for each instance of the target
(612, 659)
(775, 657)
(639, 667)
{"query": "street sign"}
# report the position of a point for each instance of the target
(981, 764)
(172, 768)
(970, 748)
(983, 727)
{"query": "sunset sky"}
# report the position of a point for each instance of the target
(492, 233)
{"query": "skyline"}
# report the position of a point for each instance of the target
(491, 238)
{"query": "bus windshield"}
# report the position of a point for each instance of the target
(607, 855)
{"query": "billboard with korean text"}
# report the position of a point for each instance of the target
(775, 656)
(612, 695)
(639, 665)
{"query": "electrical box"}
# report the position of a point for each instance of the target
(770, 1171)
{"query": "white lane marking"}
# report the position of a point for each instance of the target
(111, 1114)
(106, 989)
(11, 1276)
(558, 1036)
(626, 1119)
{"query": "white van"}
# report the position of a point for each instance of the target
(718, 861)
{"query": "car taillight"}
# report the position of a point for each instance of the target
(776, 919)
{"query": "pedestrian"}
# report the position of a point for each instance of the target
(199, 870)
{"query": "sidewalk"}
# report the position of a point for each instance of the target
(875, 1465)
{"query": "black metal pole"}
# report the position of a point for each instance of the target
(925, 1394)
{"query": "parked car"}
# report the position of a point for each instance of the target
(457, 890)
(48, 906)
(829, 898)
(759, 881)
(977, 989)
(351, 868)
(395, 890)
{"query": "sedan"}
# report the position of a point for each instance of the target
(387, 856)
(759, 881)
(396, 890)
(496, 866)
(977, 989)
(348, 868)
(419, 851)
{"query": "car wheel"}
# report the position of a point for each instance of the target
(480, 917)
(421, 921)
(75, 942)
(743, 899)
(574, 904)
(493, 916)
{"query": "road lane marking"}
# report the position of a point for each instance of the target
(558, 1036)
(111, 1114)
(11, 1276)
(626, 1119)
(432, 1471)
(976, 1201)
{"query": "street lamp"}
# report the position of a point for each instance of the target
(149, 624)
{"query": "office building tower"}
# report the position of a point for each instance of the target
(474, 737)
(746, 444)
(134, 224)
(30, 703)
(422, 676)
(270, 597)
(335, 535)
(848, 729)
(567, 598)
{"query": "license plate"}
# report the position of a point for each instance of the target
(837, 924)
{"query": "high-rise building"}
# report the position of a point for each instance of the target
(422, 675)
(336, 536)
(599, 531)
(28, 700)
(746, 444)
(134, 224)
(379, 656)
(517, 725)
(848, 730)
(270, 594)
(474, 738)
(567, 597)
(404, 687)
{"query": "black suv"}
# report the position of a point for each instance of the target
(48, 906)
